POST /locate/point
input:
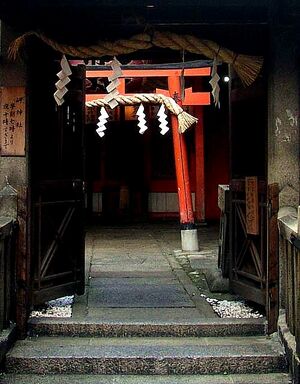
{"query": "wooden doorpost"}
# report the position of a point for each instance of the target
(200, 180)
(189, 239)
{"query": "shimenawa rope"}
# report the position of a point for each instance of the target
(185, 120)
(247, 67)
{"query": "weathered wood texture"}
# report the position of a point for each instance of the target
(12, 112)
(57, 193)
(254, 257)
(252, 209)
(223, 251)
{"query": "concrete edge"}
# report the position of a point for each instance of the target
(202, 322)
(7, 338)
(205, 328)
(289, 344)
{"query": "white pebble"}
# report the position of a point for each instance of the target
(237, 309)
(61, 307)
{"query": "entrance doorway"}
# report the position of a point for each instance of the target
(56, 185)
(130, 178)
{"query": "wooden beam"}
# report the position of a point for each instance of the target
(129, 73)
(191, 98)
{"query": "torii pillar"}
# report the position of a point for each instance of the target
(189, 236)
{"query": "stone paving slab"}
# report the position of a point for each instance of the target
(133, 259)
(152, 265)
(132, 253)
(97, 269)
(146, 315)
(138, 292)
(142, 252)
(274, 378)
(139, 282)
(130, 273)
(135, 253)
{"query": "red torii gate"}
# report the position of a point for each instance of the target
(199, 99)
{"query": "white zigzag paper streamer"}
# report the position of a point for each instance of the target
(162, 118)
(64, 79)
(102, 120)
(114, 83)
(214, 82)
(141, 118)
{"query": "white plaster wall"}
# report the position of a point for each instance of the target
(164, 202)
(157, 202)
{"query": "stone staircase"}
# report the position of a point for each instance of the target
(143, 320)
(208, 351)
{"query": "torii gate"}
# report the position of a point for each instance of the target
(173, 73)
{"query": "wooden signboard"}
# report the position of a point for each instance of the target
(252, 213)
(12, 127)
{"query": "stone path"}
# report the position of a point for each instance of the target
(132, 273)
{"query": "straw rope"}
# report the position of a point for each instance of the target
(185, 120)
(247, 67)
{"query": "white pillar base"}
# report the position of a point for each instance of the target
(189, 240)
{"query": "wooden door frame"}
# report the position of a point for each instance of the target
(268, 293)
(23, 249)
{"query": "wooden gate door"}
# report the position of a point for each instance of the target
(254, 244)
(57, 192)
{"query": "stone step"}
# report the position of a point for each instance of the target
(113, 327)
(146, 356)
(271, 378)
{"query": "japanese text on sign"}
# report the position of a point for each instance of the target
(13, 121)
(252, 215)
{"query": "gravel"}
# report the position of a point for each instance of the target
(61, 307)
(237, 309)
(232, 308)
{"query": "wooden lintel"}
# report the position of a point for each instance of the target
(129, 73)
